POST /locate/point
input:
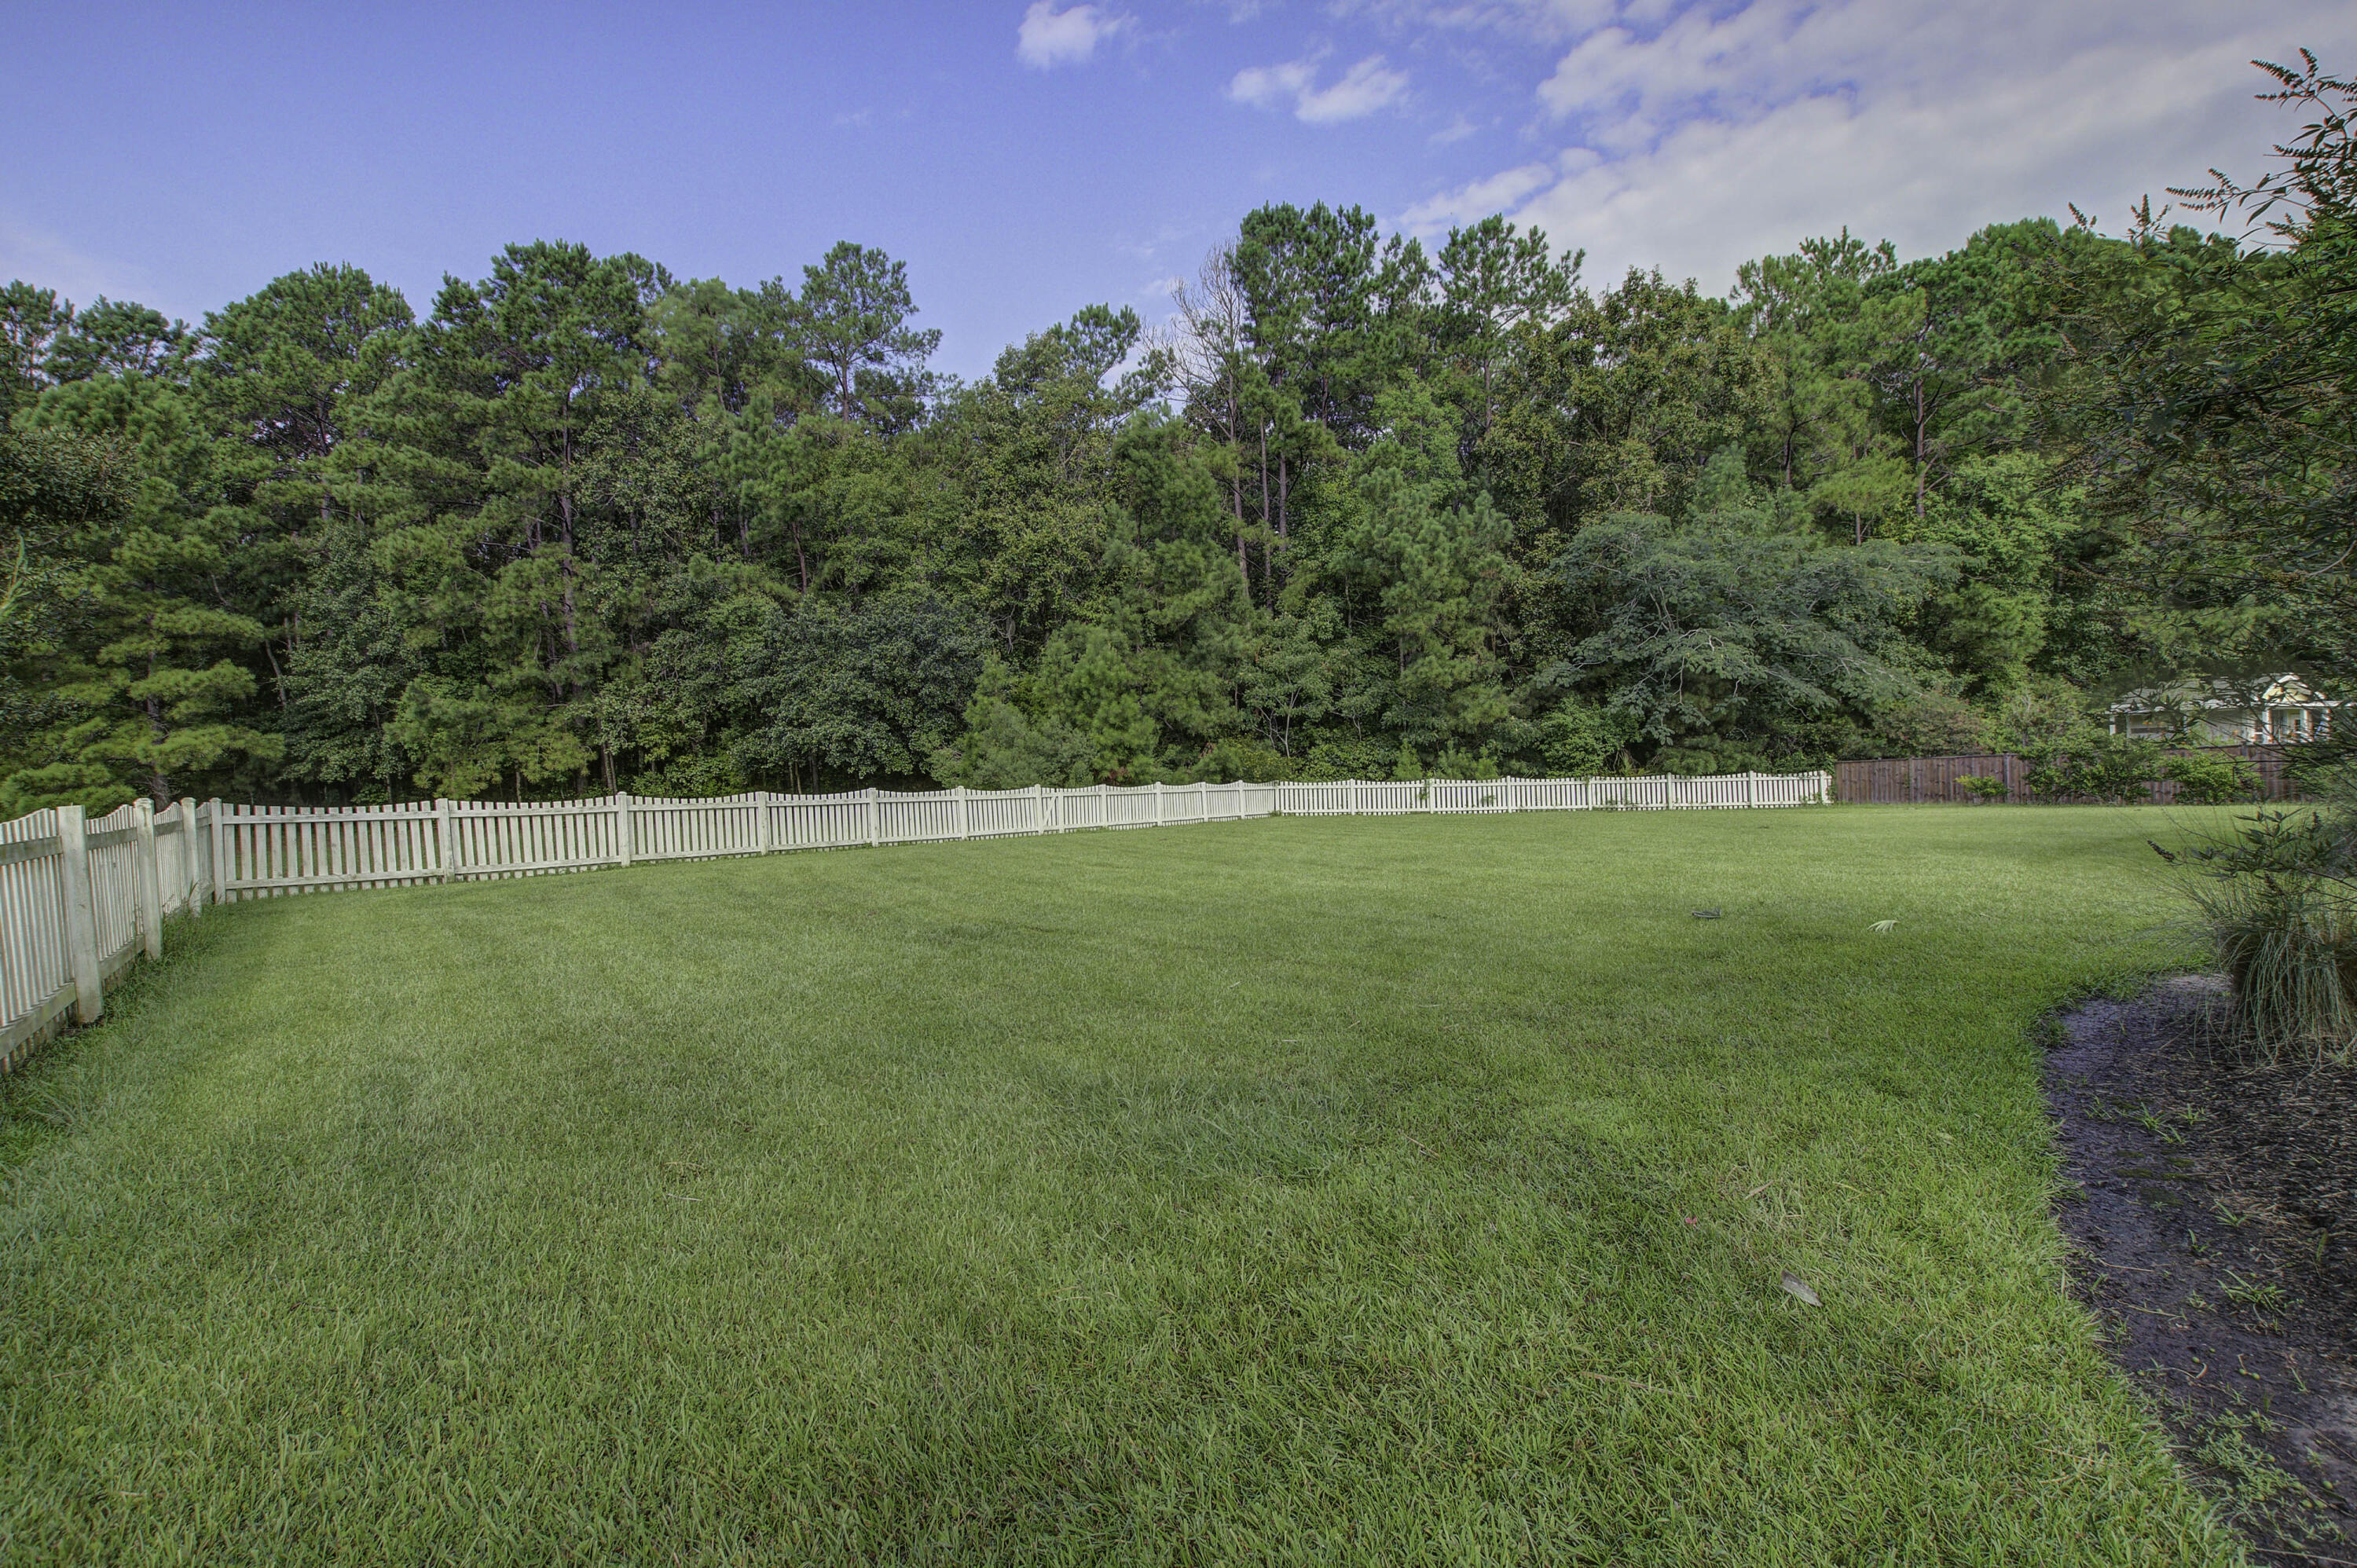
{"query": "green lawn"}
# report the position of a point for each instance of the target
(1410, 1190)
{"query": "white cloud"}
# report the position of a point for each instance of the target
(1366, 87)
(1697, 139)
(1498, 193)
(1049, 37)
(1361, 90)
(1760, 54)
(1268, 86)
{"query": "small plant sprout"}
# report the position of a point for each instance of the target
(2258, 1294)
(1883, 928)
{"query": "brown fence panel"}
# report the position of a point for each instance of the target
(1923, 780)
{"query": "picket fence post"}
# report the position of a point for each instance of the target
(626, 841)
(764, 835)
(1038, 809)
(1355, 797)
(872, 814)
(963, 822)
(187, 853)
(199, 856)
(1158, 803)
(216, 868)
(146, 877)
(81, 916)
(443, 839)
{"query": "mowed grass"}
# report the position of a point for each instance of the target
(1399, 1191)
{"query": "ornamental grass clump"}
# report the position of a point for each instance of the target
(2277, 898)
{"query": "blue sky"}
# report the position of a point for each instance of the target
(1030, 156)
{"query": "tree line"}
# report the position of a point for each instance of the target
(1364, 507)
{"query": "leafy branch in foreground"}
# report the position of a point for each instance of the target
(2209, 403)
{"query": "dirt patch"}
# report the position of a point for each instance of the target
(2212, 1208)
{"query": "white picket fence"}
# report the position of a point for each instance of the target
(79, 899)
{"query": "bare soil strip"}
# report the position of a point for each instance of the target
(2211, 1206)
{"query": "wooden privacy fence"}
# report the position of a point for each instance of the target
(78, 900)
(1923, 780)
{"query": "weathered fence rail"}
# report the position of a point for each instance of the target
(1926, 780)
(79, 899)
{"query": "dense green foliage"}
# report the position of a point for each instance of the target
(2213, 401)
(1045, 1201)
(1367, 507)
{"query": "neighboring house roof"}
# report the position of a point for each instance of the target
(2248, 694)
